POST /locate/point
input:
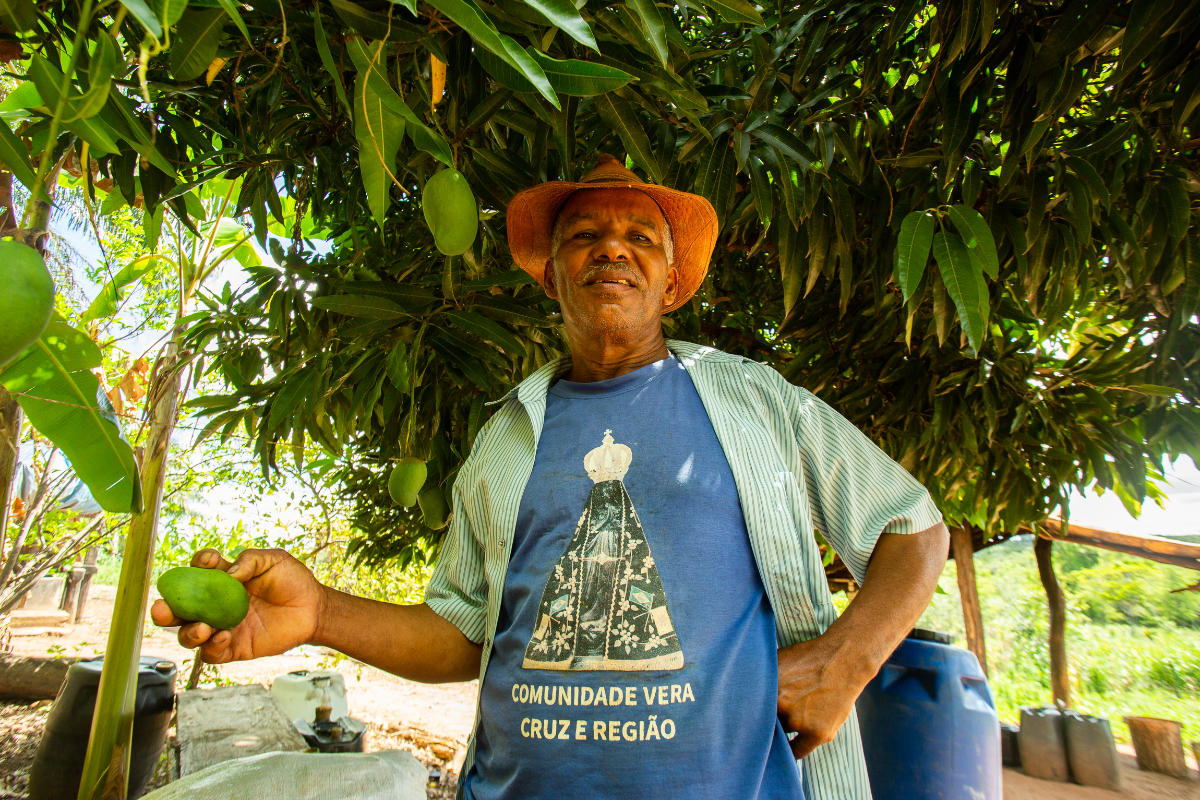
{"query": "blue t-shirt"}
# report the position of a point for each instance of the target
(635, 652)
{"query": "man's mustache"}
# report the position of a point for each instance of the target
(616, 270)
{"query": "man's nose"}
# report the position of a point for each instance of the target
(610, 247)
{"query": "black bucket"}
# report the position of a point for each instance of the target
(58, 766)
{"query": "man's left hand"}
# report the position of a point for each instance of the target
(815, 697)
(820, 679)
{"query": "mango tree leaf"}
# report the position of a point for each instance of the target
(1078, 21)
(19, 15)
(620, 116)
(16, 157)
(736, 11)
(580, 78)
(195, 46)
(715, 177)
(368, 23)
(962, 279)
(563, 15)
(485, 328)
(912, 251)
(327, 58)
(510, 312)
(787, 143)
(397, 367)
(95, 131)
(360, 306)
(100, 75)
(481, 29)
(515, 277)
(168, 12)
(232, 10)
(64, 402)
(653, 27)
(109, 298)
(295, 390)
(367, 61)
(143, 14)
(976, 234)
(379, 133)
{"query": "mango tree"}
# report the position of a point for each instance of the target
(969, 226)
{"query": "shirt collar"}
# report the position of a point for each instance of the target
(533, 389)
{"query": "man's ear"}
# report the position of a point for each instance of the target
(670, 287)
(548, 280)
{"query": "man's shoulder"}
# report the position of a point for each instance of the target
(702, 357)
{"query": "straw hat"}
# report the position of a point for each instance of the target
(693, 222)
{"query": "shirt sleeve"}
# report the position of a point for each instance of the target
(856, 491)
(458, 588)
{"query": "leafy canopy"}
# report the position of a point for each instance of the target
(969, 226)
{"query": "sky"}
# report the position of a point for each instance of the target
(1180, 515)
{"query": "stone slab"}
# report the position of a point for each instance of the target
(217, 725)
(37, 618)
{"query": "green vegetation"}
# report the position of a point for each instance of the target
(1133, 647)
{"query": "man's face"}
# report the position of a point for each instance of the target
(611, 272)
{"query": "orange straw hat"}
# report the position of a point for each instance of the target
(693, 222)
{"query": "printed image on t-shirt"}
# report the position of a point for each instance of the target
(604, 607)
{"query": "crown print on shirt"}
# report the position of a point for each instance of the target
(604, 607)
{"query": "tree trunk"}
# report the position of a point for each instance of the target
(10, 442)
(10, 412)
(968, 591)
(106, 768)
(1060, 682)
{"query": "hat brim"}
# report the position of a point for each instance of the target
(693, 221)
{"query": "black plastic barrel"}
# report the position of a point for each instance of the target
(58, 766)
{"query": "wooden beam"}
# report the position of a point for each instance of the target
(968, 591)
(1166, 551)
(1060, 682)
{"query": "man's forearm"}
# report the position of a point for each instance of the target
(900, 581)
(410, 641)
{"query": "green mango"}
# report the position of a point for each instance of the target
(406, 481)
(433, 507)
(451, 212)
(210, 596)
(28, 298)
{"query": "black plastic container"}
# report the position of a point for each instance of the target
(58, 766)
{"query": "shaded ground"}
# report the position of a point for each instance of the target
(1135, 784)
(387, 703)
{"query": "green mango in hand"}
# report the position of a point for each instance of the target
(210, 596)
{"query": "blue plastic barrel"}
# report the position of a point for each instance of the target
(929, 725)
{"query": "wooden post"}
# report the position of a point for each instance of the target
(968, 591)
(1060, 683)
(89, 571)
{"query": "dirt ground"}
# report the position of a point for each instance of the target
(390, 706)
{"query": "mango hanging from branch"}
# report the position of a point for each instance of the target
(434, 510)
(451, 212)
(29, 298)
(406, 481)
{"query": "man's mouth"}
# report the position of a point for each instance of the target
(611, 278)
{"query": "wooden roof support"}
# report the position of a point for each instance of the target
(1166, 551)
(968, 591)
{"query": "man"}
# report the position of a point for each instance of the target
(631, 566)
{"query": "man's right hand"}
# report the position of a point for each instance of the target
(285, 606)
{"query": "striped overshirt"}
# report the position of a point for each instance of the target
(798, 465)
